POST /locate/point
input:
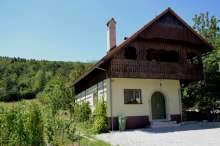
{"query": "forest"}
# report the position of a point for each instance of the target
(26, 79)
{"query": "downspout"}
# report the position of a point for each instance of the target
(180, 104)
(111, 109)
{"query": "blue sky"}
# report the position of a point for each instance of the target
(75, 30)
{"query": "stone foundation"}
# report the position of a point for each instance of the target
(176, 117)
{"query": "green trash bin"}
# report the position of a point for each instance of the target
(122, 123)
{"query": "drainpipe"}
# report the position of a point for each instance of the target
(110, 96)
(180, 104)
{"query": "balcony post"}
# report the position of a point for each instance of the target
(182, 55)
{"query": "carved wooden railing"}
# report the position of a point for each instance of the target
(147, 69)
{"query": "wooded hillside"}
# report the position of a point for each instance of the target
(25, 79)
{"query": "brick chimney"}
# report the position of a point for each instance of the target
(111, 34)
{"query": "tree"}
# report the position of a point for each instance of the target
(59, 96)
(203, 94)
(8, 89)
(207, 27)
(100, 123)
(39, 81)
(81, 111)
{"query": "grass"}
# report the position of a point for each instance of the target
(94, 142)
(88, 138)
(86, 141)
(85, 128)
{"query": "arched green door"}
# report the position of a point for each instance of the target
(158, 106)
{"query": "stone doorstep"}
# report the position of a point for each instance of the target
(163, 123)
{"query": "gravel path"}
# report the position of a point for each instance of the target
(193, 134)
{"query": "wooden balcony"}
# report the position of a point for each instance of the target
(155, 70)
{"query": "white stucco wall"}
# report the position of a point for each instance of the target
(169, 88)
(99, 90)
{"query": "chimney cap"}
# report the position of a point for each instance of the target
(111, 20)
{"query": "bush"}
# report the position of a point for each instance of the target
(100, 124)
(81, 112)
(56, 94)
(49, 125)
(25, 124)
(55, 126)
(36, 126)
(22, 125)
(100, 109)
(45, 100)
(7, 124)
(71, 131)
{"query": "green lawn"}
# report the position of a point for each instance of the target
(88, 138)
(87, 142)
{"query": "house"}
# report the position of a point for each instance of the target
(141, 78)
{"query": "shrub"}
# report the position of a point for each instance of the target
(22, 125)
(81, 111)
(71, 131)
(100, 125)
(21, 134)
(45, 100)
(100, 109)
(36, 126)
(100, 120)
(7, 125)
(49, 125)
(57, 94)
(58, 128)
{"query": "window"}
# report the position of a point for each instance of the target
(130, 53)
(132, 96)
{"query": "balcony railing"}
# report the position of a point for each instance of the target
(161, 70)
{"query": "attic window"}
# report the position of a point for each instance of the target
(130, 53)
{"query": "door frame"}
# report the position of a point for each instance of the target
(166, 106)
